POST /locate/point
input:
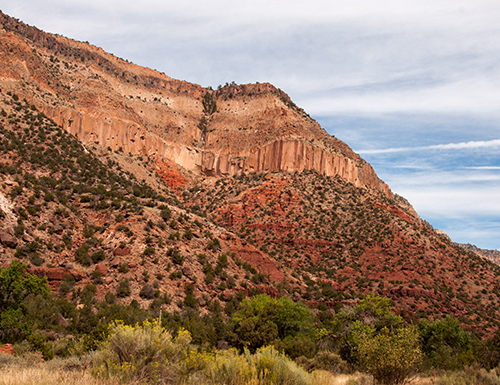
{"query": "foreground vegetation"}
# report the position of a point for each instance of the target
(261, 340)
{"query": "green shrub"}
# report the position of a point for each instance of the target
(148, 291)
(67, 284)
(98, 256)
(145, 354)
(228, 367)
(123, 289)
(82, 256)
(123, 268)
(272, 367)
(390, 356)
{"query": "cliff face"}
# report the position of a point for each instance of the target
(234, 130)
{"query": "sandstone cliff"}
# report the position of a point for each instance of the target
(234, 130)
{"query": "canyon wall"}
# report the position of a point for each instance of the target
(105, 100)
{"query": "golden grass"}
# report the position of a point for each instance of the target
(327, 378)
(42, 375)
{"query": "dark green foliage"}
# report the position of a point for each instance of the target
(66, 284)
(165, 214)
(209, 105)
(176, 256)
(98, 256)
(263, 320)
(15, 287)
(125, 229)
(446, 344)
(188, 234)
(149, 251)
(123, 289)
(82, 256)
(213, 244)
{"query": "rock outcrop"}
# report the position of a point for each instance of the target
(101, 99)
(7, 349)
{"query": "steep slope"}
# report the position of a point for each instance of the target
(336, 241)
(232, 131)
(147, 187)
(79, 221)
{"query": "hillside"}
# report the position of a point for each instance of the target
(159, 190)
(231, 131)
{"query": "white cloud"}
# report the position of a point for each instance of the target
(449, 146)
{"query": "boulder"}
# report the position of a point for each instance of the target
(101, 267)
(121, 251)
(7, 349)
(8, 240)
(78, 275)
(52, 273)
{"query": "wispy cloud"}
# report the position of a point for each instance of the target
(449, 146)
(484, 168)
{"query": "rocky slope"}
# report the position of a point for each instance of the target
(492, 255)
(120, 179)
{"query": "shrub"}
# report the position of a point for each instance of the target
(188, 234)
(98, 256)
(446, 344)
(176, 256)
(228, 367)
(82, 256)
(145, 354)
(67, 284)
(123, 289)
(390, 356)
(149, 251)
(123, 268)
(324, 360)
(148, 291)
(273, 367)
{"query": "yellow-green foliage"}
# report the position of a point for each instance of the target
(230, 368)
(146, 353)
(470, 376)
(266, 367)
(149, 354)
(273, 367)
(390, 356)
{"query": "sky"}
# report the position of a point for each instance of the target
(412, 86)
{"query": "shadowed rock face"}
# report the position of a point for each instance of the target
(235, 130)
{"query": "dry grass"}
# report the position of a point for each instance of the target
(322, 377)
(43, 375)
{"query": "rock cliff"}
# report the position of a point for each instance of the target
(234, 130)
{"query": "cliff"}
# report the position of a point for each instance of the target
(105, 100)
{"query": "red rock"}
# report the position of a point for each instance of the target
(78, 275)
(8, 240)
(121, 251)
(102, 268)
(7, 349)
(52, 273)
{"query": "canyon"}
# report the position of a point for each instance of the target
(119, 179)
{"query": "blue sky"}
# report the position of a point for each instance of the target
(412, 86)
